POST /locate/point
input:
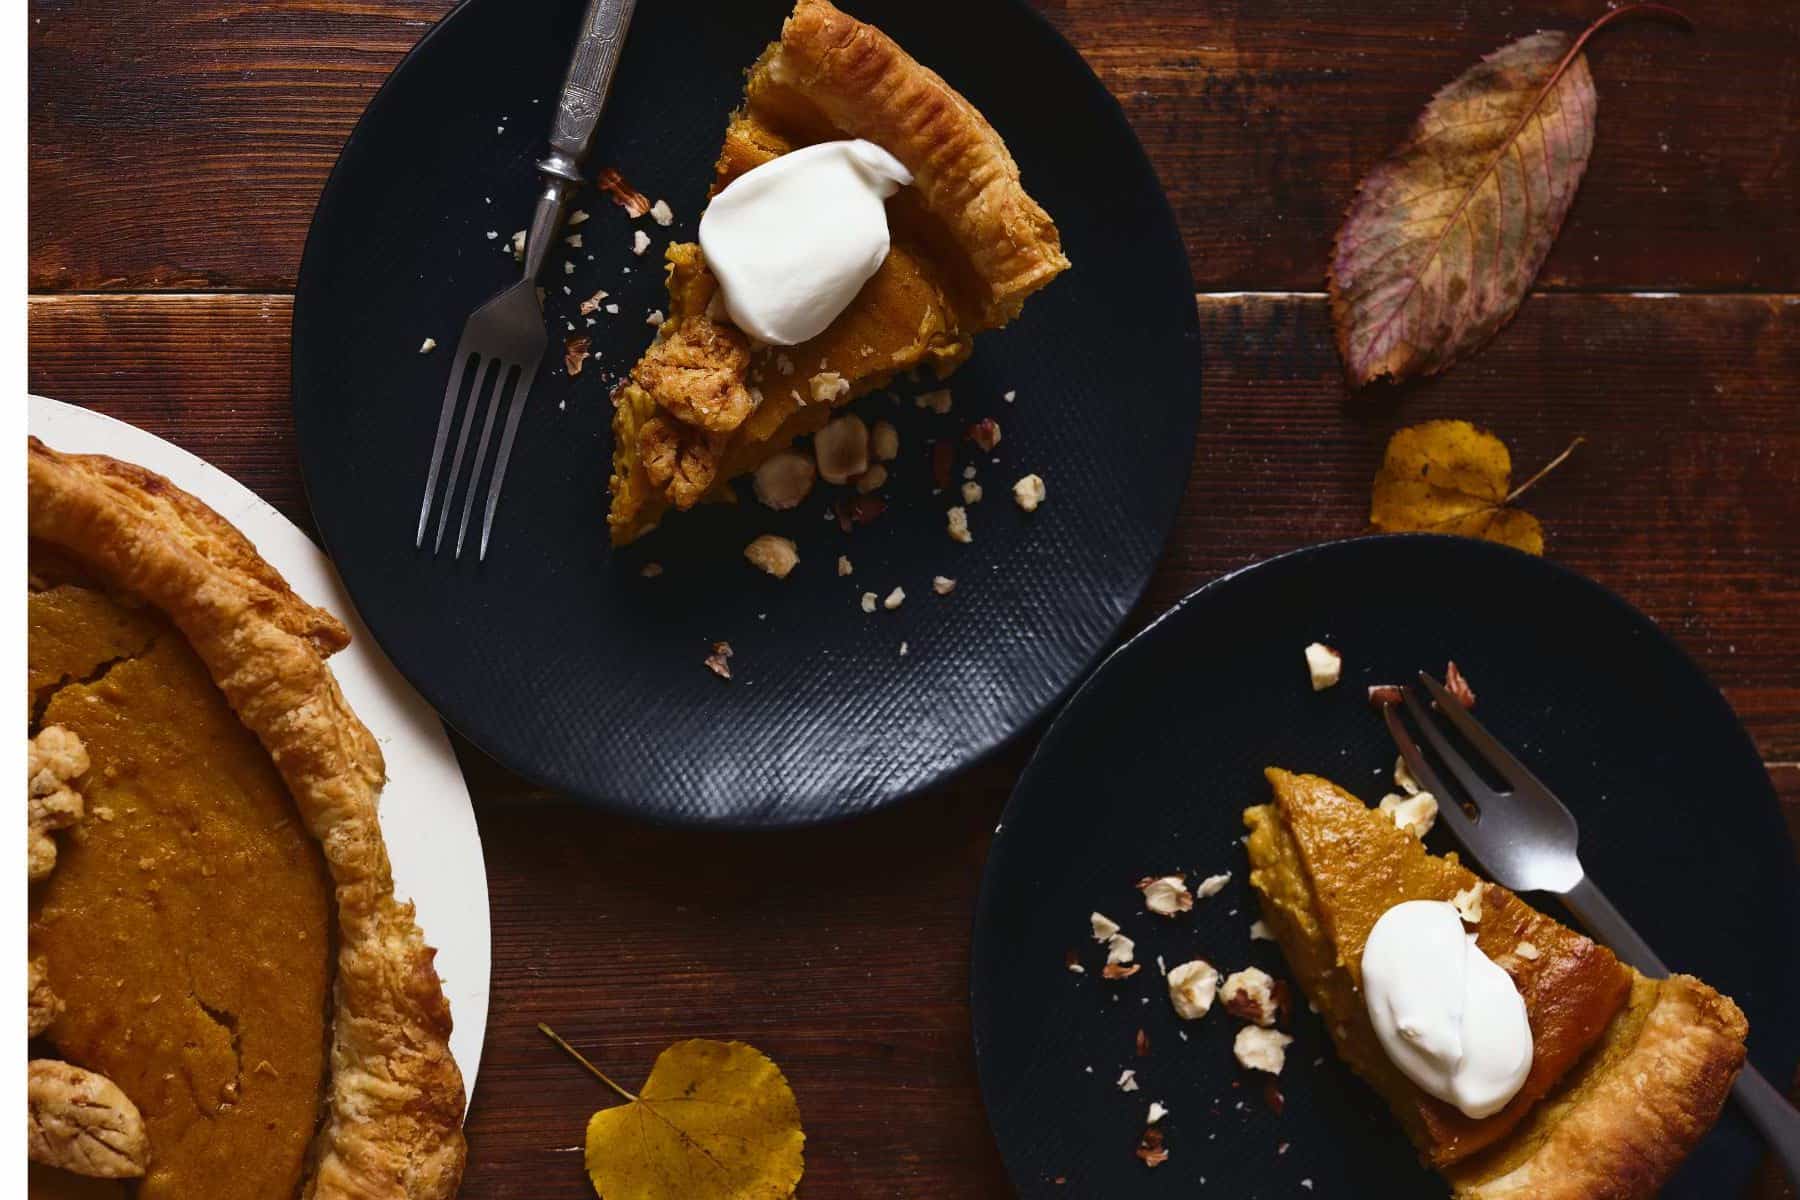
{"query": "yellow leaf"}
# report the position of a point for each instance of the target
(1450, 477)
(715, 1121)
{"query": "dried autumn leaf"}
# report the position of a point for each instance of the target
(715, 1121)
(1446, 235)
(1450, 477)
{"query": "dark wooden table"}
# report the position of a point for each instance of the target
(178, 146)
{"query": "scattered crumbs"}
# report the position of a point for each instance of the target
(1259, 931)
(661, 213)
(1127, 1081)
(593, 302)
(428, 345)
(1212, 885)
(971, 492)
(612, 309)
(719, 661)
(844, 567)
(654, 317)
(573, 241)
(1157, 1112)
(895, 599)
(958, 524)
(1010, 397)
(493, 234)
(568, 268)
(577, 217)
(1028, 493)
(943, 585)
(869, 601)
(640, 241)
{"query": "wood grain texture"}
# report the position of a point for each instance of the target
(182, 146)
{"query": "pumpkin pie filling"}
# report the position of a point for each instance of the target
(186, 927)
(1627, 1072)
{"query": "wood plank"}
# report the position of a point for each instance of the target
(183, 147)
(1682, 499)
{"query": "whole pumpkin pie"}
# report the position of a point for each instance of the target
(227, 1001)
(1627, 1072)
(705, 404)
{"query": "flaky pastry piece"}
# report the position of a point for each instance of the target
(392, 1126)
(80, 1121)
(1622, 1124)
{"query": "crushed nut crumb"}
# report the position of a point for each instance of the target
(1526, 950)
(985, 433)
(776, 555)
(971, 492)
(1416, 813)
(1211, 886)
(661, 213)
(1325, 665)
(719, 661)
(428, 345)
(1166, 895)
(869, 601)
(640, 241)
(943, 585)
(1468, 903)
(1249, 995)
(958, 520)
(1261, 1049)
(1029, 492)
(844, 567)
(895, 599)
(1192, 986)
(651, 570)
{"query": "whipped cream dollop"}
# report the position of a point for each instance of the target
(794, 240)
(1446, 1014)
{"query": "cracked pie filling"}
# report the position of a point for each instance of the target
(186, 925)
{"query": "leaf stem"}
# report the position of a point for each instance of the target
(1511, 496)
(598, 1073)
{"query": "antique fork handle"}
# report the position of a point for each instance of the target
(578, 112)
(1767, 1108)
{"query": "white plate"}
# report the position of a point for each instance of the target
(426, 816)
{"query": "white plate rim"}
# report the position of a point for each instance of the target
(427, 816)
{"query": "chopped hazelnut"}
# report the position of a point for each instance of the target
(776, 555)
(942, 585)
(1261, 1049)
(884, 441)
(719, 661)
(640, 241)
(985, 433)
(895, 599)
(971, 492)
(1151, 1149)
(1104, 926)
(959, 525)
(1128, 1081)
(844, 567)
(869, 601)
(1403, 778)
(1166, 895)
(1325, 665)
(1211, 886)
(1120, 949)
(828, 387)
(1249, 995)
(1192, 986)
(784, 480)
(1157, 1112)
(1028, 493)
(1416, 813)
(1468, 903)
(1260, 931)
(428, 345)
(661, 213)
(1526, 950)
(842, 449)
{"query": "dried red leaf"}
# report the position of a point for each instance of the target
(575, 352)
(943, 462)
(634, 202)
(1150, 1148)
(1445, 236)
(1457, 686)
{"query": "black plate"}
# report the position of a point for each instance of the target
(1149, 767)
(557, 657)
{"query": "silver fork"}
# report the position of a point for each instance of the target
(503, 341)
(1524, 837)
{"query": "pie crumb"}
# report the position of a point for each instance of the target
(1325, 665)
(1029, 492)
(1212, 885)
(943, 585)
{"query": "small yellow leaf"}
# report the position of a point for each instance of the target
(1450, 477)
(715, 1121)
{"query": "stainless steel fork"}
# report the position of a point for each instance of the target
(503, 341)
(1524, 837)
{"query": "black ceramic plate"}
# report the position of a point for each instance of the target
(557, 657)
(1149, 767)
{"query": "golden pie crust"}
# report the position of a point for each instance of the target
(1628, 1072)
(968, 245)
(391, 1126)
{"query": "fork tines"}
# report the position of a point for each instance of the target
(492, 379)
